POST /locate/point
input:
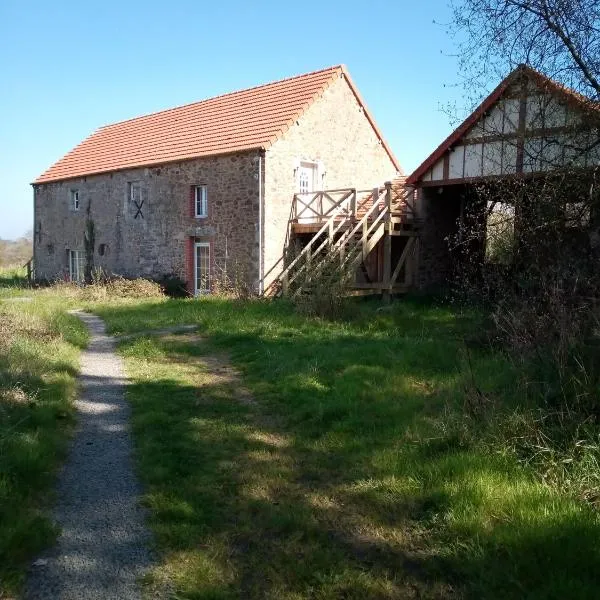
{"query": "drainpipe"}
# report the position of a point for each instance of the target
(33, 252)
(260, 224)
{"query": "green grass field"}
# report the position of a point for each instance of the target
(333, 466)
(39, 349)
(343, 478)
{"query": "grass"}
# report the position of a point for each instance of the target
(340, 479)
(39, 347)
(13, 281)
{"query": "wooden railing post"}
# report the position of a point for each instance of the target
(285, 284)
(387, 244)
(321, 214)
(353, 203)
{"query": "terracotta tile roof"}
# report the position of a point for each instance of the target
(566, 94)
(243, 120)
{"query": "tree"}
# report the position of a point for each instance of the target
(560, 38)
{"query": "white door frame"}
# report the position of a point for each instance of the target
(197, 245)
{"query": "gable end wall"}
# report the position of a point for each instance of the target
(335, 131)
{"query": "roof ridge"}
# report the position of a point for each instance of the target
(557, 85)
(333, 69)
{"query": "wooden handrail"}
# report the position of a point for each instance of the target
(317, 197)
(317, 235)
(337, 216)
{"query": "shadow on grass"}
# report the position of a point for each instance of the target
(331, 484)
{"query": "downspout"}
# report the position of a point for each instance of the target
(34, 234)
(261, 283)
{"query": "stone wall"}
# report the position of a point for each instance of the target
(335, 131)
(158, 241)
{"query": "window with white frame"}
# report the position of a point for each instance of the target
(135, 199)
(74, 199)
(310, 176)
(202, 268)
(200, 202)
(76, 265)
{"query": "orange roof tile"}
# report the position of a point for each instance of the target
(244, 120)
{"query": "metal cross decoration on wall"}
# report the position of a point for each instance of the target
(139, 209)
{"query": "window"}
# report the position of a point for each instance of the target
(76, 265)
(200, 202)
(310, 176)
(135, 199)
(202, 268)
(74, 199)
(307, 177)
(135, 192)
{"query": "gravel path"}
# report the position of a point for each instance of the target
(102, 548)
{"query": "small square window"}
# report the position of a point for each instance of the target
(200, 202)
(135, 192)
(74, 199)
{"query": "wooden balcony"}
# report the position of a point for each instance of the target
(348, 206)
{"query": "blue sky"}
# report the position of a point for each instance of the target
(69, 67)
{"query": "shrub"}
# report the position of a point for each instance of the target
(104, 288)
(232, 281)
(173, 286)
(323, 295)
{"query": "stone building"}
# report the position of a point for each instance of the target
(204, 191)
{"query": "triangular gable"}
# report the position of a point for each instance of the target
(565, 95)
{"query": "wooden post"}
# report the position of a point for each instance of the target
(387, 245)
(408, 267)
(416, 262)
(285, 285)
(353, 204)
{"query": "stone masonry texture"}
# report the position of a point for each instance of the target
(154, 243)
(334, 130)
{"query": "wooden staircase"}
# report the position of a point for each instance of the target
(343, 228)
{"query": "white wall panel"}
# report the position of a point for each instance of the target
(493, 122)
(492, 158)
(509, 157)
(473, 160)
(531, 155)
(456, 162)
(575, 148)
(437, 172)
(511, 115)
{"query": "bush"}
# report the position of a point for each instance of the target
(173, 286)
(324, 295)
(232, 281)
(104, 288)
